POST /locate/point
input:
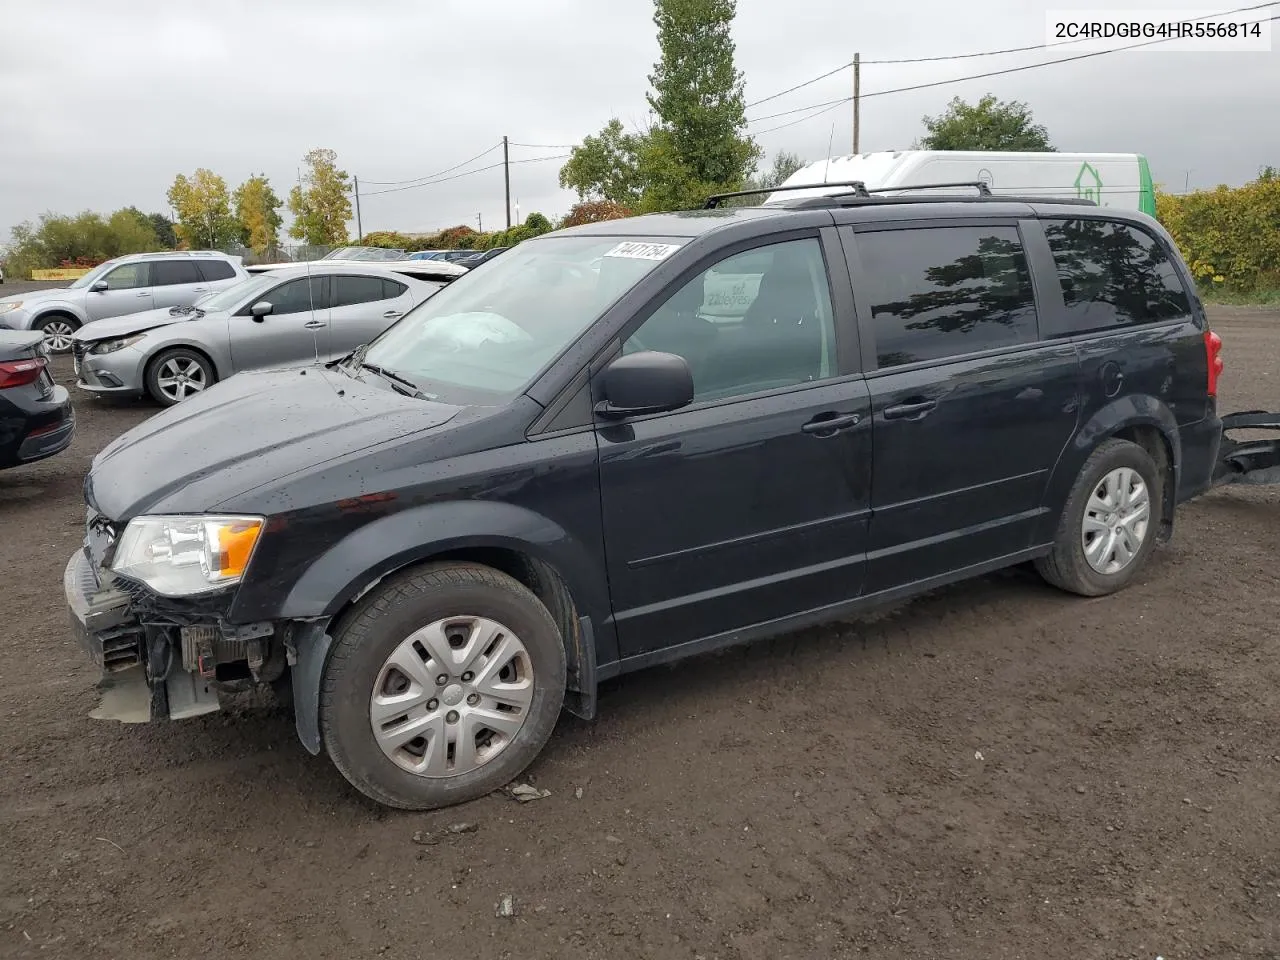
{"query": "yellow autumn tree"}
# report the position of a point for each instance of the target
(257, 210)
(204, 210)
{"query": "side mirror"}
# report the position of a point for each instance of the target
(98, 286)
(260, 309)
(647, 382)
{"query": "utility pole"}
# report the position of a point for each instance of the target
(506, 176)
(857, 100)
(480, 222)
(355, 188)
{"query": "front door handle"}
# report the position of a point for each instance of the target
(912, 410)
(199, 289)
(314, 324)
(829, 426)
(145, 293)
(393, 314)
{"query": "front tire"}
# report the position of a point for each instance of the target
(177, 374)
(1109, 524)
(442, 685)
(57, 330)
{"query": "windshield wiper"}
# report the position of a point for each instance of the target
(400, 384)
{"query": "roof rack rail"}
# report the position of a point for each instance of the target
(859, 189)
(983, 188)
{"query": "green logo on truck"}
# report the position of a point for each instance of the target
(1089, 184)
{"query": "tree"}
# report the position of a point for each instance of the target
(164, 231)
(698, 93)
(606, 166)
(594, 211)
(987, 125)
(322, 209)
(258, 213)
(204, 210)
(84, 238)
(698, 143)
(784, 165)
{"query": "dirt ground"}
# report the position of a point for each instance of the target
(995, 771)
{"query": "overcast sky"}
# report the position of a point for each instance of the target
(101, 104)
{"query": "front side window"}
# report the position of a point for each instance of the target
(1113, 275)
(168, 273)
(758, 320)
(130, 276)
(485, 335)
(297, 296)
(946, 291)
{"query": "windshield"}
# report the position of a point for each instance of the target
(92, 275)
(487, 333)
(237, 294)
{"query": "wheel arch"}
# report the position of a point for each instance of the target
(1141, 419)
(58, 309)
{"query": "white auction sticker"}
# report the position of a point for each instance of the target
(638, 250)
(1159, 31)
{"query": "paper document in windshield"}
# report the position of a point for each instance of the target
(638, 250)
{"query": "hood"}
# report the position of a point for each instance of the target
(246, 431)
(132, 323)
(39, 296)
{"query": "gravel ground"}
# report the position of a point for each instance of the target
(995, 771)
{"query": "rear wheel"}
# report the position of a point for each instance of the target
(177, 374)
(1108, 527)
(57, 331)
(442, 685)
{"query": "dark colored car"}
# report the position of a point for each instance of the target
(474, 258)
(36, 417)
(632, 441)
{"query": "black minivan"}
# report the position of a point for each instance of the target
(628, 442)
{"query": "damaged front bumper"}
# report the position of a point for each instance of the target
(162, 659)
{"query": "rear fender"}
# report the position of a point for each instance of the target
(1137, 410)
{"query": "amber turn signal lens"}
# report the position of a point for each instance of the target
(235, 546)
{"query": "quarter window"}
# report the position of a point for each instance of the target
(1113, 275)
(946, 291)
(754, 321)
(128, 276)
(213, 270)
(168, 273)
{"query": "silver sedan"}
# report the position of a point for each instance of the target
(310, 312)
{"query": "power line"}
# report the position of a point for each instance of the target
(792, 123)
(545, 146)
(429, 176)
(980, 53)
(979, 76)
(459, 176)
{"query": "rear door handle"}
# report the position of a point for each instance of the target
(314, 324)
(145, 293)
(830, 426)
(393, 314)
(914, 410)
(199, 289)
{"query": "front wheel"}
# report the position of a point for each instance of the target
(1108, 527)
(442, 685)
(57, 332)
(177, 374)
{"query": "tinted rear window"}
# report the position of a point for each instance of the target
(168, 273)
(348, 291)
(946, 291)
(216, 270)
(1113, 275)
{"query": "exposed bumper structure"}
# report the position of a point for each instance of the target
(1255, 461)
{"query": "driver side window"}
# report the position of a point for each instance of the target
(129, 276)
(757, 320)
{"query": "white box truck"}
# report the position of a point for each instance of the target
(1109, 179)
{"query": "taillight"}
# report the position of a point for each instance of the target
(1213, 355)
(18, 373)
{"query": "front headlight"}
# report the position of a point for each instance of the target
(183, 555)
(111, 346)
(10, 307)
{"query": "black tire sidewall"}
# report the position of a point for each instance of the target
(367, 637)
(1116, 454)
(156, 362)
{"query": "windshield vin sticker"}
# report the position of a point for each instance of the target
(636, 250)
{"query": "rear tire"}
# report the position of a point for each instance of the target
(1103, 540)
(179, 373)
(380, 684)
(57, 329)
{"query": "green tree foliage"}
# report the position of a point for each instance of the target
(784, 165)
(989, 124)
(698, 144)
(321, 207)
(1229, 237)
(203, 207)
(84, 238)
(258, 213)
(163, 229)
